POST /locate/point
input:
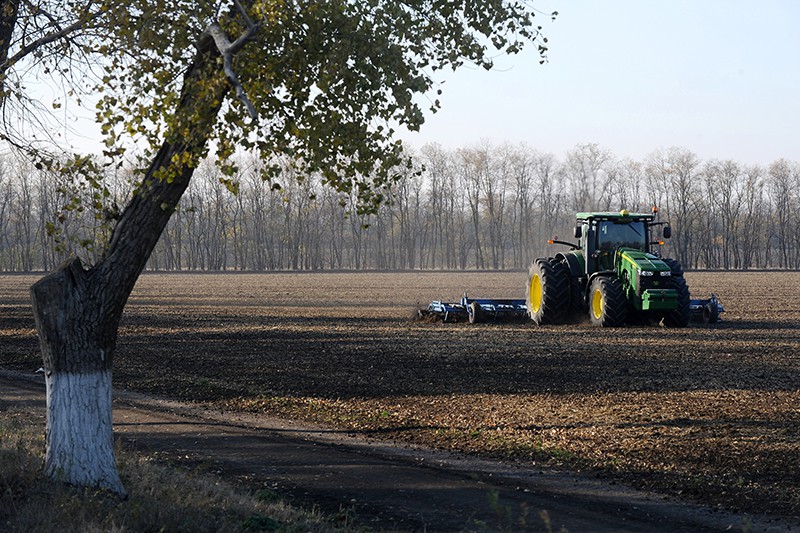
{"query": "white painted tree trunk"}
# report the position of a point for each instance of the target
(80, 442)
(77, 333)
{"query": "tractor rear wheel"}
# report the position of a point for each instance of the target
(675, 266)
(679, 317)
(607, 304)
(548, 292)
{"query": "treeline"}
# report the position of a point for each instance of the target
(482, 207)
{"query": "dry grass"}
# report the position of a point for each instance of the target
(161, 498)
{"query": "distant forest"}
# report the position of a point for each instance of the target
(481, 207)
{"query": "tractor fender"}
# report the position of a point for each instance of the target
(576, 269)
(602, 274)
(599, 274)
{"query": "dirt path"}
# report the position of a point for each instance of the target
(384, 486)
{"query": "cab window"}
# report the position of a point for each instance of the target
(612, 235)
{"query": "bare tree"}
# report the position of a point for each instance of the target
(781, 186)
(525, 195)
(495, 182)
(674, 184)
(584, 168)
(441, 205)
(473, 168)
(723, 190)
(752, 225)
(7, 205)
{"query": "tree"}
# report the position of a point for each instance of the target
(322, 82)
(522, 162)
(723, 189)
(674, 179)
(782, 180)
(752, 225)
(473, 165)
(441, 196)
(585, 166)
(495, 185)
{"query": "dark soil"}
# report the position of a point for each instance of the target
(707, 413)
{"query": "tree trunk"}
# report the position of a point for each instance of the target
(9, 10)
(77, 311)
(77, 343)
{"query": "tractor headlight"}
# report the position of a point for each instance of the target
(645, 272)
(666, 273)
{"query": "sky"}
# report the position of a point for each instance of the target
(718, 77)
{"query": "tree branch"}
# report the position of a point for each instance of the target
(47, 39)
(228, 49)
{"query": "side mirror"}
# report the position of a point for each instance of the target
(667, 232)
(578, 232)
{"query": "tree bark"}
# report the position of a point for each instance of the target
(77, 347)
(77, 311)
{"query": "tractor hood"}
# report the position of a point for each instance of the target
(648, 280)
(643, 261)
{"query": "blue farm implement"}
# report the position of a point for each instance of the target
(474, 310)
(706, 311)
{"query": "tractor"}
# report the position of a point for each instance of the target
(614, 272)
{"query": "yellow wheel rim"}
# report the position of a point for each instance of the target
(597, 304)
(536, 293)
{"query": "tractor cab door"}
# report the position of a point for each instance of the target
(585, 233)
(606, 245)
(589, 246)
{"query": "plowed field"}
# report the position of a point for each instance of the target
(710, 413)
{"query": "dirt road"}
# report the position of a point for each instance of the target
(385, 486)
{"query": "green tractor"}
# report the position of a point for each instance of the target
(613, 272)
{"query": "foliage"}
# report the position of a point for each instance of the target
(89, 202)
(328, 79)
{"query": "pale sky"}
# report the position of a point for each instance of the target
(719, 77)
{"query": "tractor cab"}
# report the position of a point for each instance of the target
(602, 234)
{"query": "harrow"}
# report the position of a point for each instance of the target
(476, 310)
(706, 311)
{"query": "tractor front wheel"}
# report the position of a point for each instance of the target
(548, 292)
(607, 304)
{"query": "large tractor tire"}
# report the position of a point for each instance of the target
(548, 297)
(675, 266)
(607, 304)
(577, 308)
(678, 318)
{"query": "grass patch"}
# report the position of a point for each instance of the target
(161, 498)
